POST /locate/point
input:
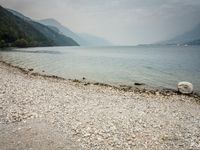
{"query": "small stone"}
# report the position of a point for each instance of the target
(30, 69)
(137, 83)
(133, 135)
(185, 87)
(86, 135)
(157, 93)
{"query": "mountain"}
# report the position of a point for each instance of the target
(50, 32)
(82, 39)
(91, 40)
(62, 29)
(21, 31)
(18, 14)
(191, 37)
(30, 20)
(195, 42)
(13, 29)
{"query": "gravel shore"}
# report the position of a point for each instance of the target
(41, 112)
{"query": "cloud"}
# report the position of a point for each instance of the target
(120, 21)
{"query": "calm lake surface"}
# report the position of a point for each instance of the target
(154, 66)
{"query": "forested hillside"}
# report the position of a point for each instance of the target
(17, 32)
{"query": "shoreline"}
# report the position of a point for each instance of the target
(143, 88)
(48, 112)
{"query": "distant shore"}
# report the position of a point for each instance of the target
(48, 112)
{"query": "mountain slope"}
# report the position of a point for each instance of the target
(62, 29)
(195, 42)
(191, 37)
(91, 40)
(18, 30)
(18, 14)
(50, 33)
(12, 29)
(82, 39)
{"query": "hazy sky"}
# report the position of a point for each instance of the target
(122, 22)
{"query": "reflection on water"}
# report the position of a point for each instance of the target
(155, 66)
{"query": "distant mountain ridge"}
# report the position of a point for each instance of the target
(93, 40)
(62, 29)
(191, 37)
(82, 38)
(19, 30)
(18, 14)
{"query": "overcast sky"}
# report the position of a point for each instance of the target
(122, 22)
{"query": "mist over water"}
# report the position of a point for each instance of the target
(155, 66)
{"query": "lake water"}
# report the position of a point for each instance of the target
(155, 66)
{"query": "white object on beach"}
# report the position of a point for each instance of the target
(185, 87)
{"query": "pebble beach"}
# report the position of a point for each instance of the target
(48, 112)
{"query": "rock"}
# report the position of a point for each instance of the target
(157, 93)
(185, 87)
(139, 83)
(30, 69)
(86, 84)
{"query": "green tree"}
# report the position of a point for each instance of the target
(21, 43)
(2, 44)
